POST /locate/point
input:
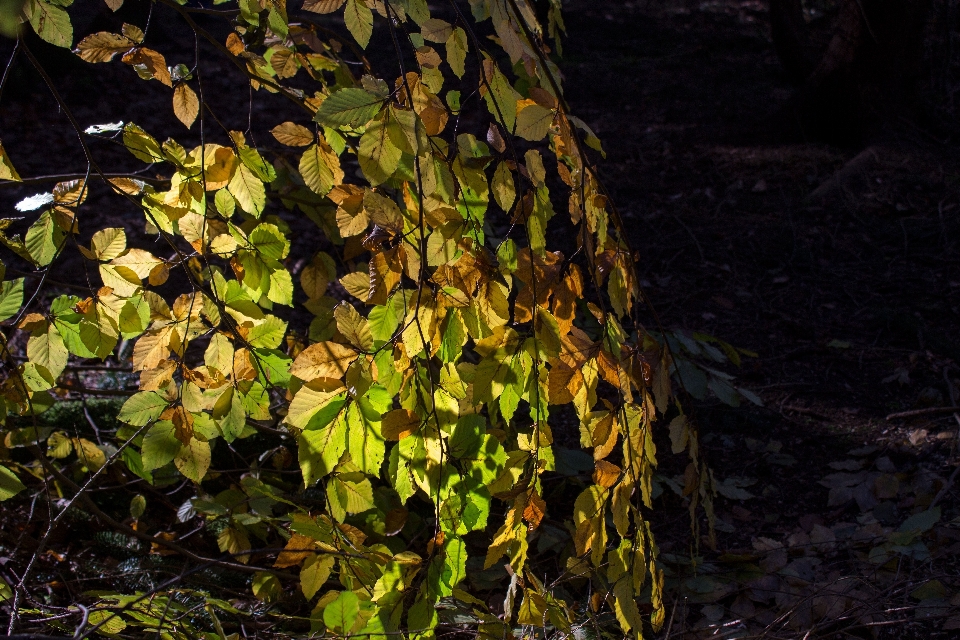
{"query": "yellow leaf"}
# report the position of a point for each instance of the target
(533, 121)
(399, 423)
(353, 326)
(108, 244)
(317, 275)
(357, 284)
(293, 135)
(504, 191)
(186, 105)
(315, 572)
(7, 172)
(323, 360)
(151, 348)
(193, 460)
(89, 454)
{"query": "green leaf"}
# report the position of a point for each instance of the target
(347, 497)
(341, 614)
(501, 97)
(224, 203)
(281, 284)
(134, 317)
(108, 622)
(252, 159)
(921, 522)
(160, 445)
(43, 239)
(359, 21)
(320, 449)
(10, 484)
(269, 241)
(349, 107)
(268, 334)
(274, 367)
(50, 22)
(11, 298)
(266, 586)
(138, 506)
(142, 408)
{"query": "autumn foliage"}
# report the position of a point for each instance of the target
(420, 409)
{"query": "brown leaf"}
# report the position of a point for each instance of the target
(399, 423)
(234, 44)
(182, 423)
(562, 382)
(495, 138)
(154, 62)
(534, 511)
(102, 46)
(298, 548)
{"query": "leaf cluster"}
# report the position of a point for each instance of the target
(422, 407)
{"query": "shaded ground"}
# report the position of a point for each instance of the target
(838, 267)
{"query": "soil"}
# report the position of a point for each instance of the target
(836, 266)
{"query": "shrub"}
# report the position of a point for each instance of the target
(417, 451)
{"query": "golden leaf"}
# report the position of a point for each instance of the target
(186, 105)
(323, 360)
(399, 423)
(357, 284)
(243, 367)
(293, 135)
(606, 474)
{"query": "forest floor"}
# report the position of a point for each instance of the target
(838, 267)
